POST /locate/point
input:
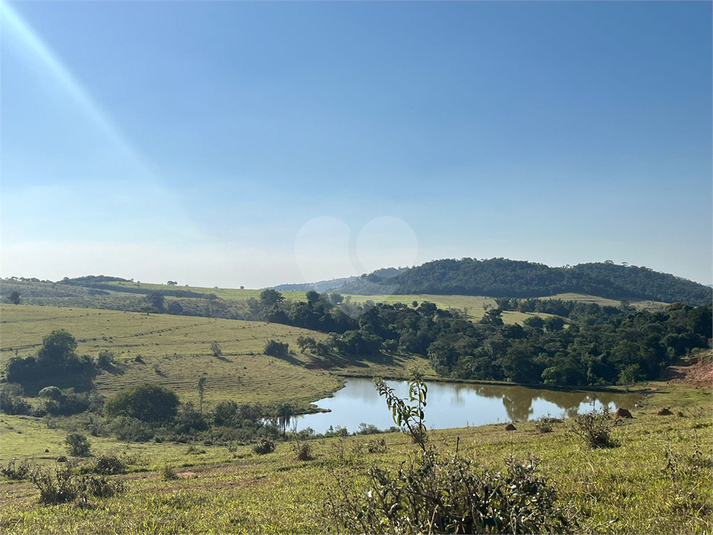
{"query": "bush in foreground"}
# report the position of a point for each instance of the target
(61, 485)
(595, 428)
(264, 446)
(436, 493)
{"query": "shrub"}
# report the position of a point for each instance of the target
(60, 485)
(78, 445)
(14, 471)
(168, 473)
(66, 403)
(544, 424)
(11, 401)
(302, 450)
(188, 420)
(595, 428)
(275, 348)
(131, 429)
(109, 464)
(146, 402)
(99, 486)
(55, 485)
(432, 494)
(106, 359)
(377, 445)
(264, 446)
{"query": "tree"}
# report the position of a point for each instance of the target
(146, 402)
(106, 359)
(14, 298)
(78, 445)
(535, 322)
(175, 308)
(216, 349)
(201, 392)
(156, 300)
(275, 348)
(270, 297)
(492, 317)
(285, 412)
(554, 323)
(306, 342)
(58, 349)
(312, 297)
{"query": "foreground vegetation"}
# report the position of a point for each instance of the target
(657, 480)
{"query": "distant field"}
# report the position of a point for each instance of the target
(234, 294)
(603, 301)
(472, 304)
(176, 351)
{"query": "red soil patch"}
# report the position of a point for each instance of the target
(698, 373)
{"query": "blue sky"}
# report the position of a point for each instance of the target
(237, 143)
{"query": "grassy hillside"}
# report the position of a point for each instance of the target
(639, 304)
(176, 351)
(472, 304)
(234, 294)
(658, 480)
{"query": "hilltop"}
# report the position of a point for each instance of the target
(500, 277)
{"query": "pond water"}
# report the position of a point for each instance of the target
(456, 405)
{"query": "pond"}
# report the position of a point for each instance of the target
(456, 405)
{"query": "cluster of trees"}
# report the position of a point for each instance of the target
(589, 313)
(500, 277)
(56, 362)
(598, 345)
(629, 347)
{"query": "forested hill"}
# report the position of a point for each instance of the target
(500, 277)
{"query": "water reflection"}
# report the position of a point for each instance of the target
(457, 405)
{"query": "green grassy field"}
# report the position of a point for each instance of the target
(234, 294)
(176, 351)
(639, 304)
(658, 480)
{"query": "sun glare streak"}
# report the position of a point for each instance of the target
(24, 33)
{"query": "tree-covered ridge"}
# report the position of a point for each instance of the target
(500, 277)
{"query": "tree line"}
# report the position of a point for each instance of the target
(595, 346)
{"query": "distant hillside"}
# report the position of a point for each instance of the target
(363, 283)
(500, 277)
(321, 286)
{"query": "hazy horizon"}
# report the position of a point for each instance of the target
(258, 144)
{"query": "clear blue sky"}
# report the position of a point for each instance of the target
(236, 143)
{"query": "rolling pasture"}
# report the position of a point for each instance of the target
(234, 294)
(175, 351)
